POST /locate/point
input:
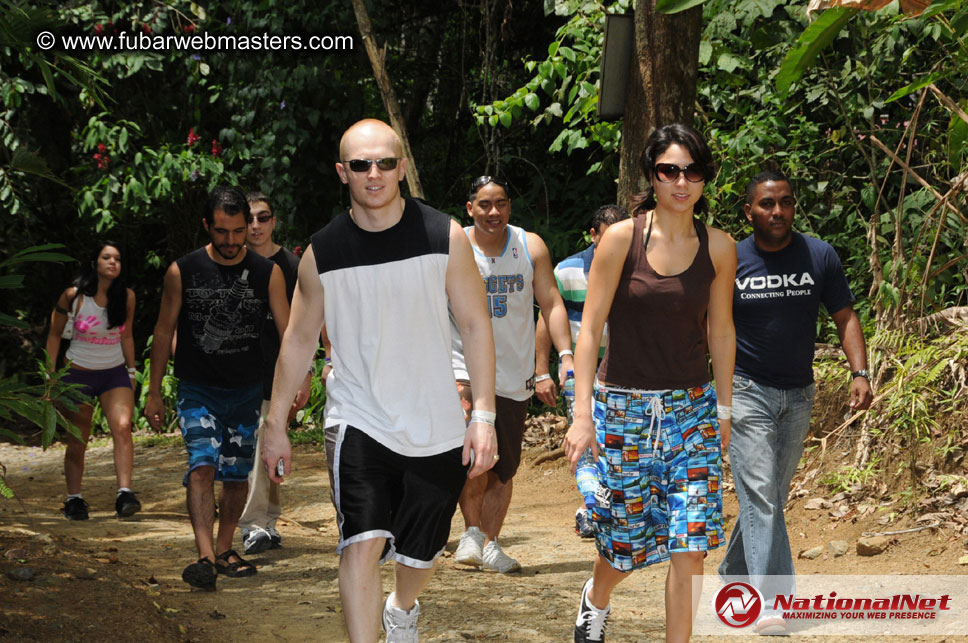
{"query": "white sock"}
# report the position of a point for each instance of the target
(123, 489)
(71, 496)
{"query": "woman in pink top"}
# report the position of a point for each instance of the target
(101, 357)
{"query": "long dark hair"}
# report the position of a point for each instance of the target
(117, 292)
(660, 140)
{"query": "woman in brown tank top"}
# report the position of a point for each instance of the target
(664, 282)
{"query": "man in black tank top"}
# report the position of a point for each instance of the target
(218, 297)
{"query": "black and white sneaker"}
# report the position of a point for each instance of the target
(274, 537)
(255, 541)
(584, 526)
(591, 623)
(75, 509)
(126, 504)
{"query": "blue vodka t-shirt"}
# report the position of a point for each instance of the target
(775, 305)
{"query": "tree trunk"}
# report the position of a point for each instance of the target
(662, 84)
(389, 96)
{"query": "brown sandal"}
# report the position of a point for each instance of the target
(239, 569)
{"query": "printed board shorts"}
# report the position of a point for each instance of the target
(94, 383)
(660, 463)
(509, 428)
(379, 493)
(219, 427)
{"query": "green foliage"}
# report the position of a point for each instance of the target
(819, 134)
(850, 478)
(136, 179)
(806, 99)
(927, 384)
(14, 281)
(314, 435)
(814, 39)
(42, 404)
(567, 82)
(5, 491)
(675, 6)
(313, 411)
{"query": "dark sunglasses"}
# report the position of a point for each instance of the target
(263, 218)
(364, 165)
(669, 172)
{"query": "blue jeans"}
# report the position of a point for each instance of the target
(768, 429)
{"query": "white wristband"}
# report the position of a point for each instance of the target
(541, 378)
(132, 370)
(567, 351)
(724, 412)
(484, 417)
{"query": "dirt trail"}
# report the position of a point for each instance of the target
(113, 580)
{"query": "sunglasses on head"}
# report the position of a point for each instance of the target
(363, 165)
(262, 218)
(481, 181)
(669, 172)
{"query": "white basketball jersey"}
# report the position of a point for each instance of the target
(509, 282)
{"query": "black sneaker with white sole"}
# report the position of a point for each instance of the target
(591, 623)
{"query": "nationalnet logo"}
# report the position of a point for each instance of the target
(819, 604)
(832, 606)
(738, 604)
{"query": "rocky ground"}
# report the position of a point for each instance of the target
(119, 580)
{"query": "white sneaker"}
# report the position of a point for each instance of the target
(496, 560)
(591, 623)
(400, 625)
(770, 624)
(469, 550)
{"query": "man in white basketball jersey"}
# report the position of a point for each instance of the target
(516, 268)
(382, 276)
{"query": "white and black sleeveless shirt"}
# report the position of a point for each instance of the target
(385, 307)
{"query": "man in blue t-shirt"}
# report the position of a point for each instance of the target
(782, 277)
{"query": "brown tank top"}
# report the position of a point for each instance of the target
(657, 324)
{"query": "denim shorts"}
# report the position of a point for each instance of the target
(219, 427)
(660, 466)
